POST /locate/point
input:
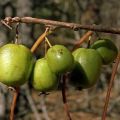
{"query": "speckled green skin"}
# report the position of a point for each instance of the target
(60, 59)
(106, 49)
(44, 79)
(16, 63)
(86, 68)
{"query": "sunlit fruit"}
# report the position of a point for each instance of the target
(86, 69)
(16, 63)
(106, 49)
(43, 78)
(60, 59)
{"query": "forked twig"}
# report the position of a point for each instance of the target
(114, 70)
(4, 23)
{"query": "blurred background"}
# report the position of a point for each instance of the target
(83, 105)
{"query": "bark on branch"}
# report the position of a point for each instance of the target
(58, 24)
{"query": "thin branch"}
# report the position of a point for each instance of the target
(74, 26)
(16, 92)
(64, 96)
(4, 23)
(110, 86)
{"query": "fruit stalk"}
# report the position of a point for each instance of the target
(84, 38)
(39, 40)
(114, 70)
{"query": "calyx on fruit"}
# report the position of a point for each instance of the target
(44, 79)
(59, 58)
(86, 69)
(16, 63)
(106, 49)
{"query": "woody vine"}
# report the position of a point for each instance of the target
(63, 65)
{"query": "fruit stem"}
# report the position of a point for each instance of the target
(89, 42)
(17, 34)
(64, 95)
(16, 92)
(39, 40)
(48, 42)
(84, 37)
(114, 70)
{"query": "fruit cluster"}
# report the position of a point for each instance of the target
(58, 60)
(18, 64)
(88, 62)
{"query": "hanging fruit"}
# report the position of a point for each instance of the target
(16, 63)
(87, 67)
(106, 49)
(43, 78)
(60, 59)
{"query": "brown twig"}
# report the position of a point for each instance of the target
(59, 24)
(39, 40)
(4, 23)
(64, 77)
(85, 37)
(114, 70)
(16, 92)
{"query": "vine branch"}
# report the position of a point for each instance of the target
(99, 28)
(114, 70)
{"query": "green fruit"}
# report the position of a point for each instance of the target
(86, 68)
(16, 63)
(43, 78)
(106, 49)
(59, 58)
